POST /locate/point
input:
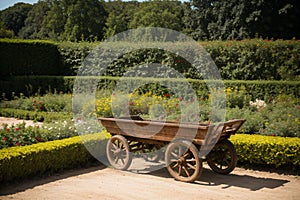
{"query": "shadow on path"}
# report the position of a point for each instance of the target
(210, 178)
(207, 179)
(19, 186)
(243, 181)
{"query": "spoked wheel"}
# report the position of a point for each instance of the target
(222, 159)
(118, 152)
(152, 153)
(182, 160)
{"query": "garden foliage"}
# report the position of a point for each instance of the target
(279, 117)
(236, 60)
(272, 151)
(33, 85)
(33, 115)
(49, 157)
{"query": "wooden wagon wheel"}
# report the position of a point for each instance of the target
(182, 160)
(118, 152)
(223, 158)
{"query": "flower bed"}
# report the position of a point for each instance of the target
(279, 117)
(19, 135)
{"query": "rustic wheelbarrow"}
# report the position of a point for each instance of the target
(186, 145)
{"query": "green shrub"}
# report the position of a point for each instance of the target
(279, 117)
(255, 121)
(31, 85)
(27, 161)
(73, 54)
(267, 150)
(34, 85)
(33, 115)
(236, 60)
(265, 89)
(37, 159)
(48, 103)
(28, 57)
(282, 117)
(256, 59)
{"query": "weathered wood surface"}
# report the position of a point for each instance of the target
(168, 131)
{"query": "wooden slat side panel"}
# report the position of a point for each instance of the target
(169, 131)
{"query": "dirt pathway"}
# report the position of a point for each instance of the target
(10, 121)
(105, 183)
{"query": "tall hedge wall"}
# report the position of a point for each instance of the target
(29, 57)
(256, 59)
(237, 60)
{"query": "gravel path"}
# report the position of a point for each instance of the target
(108, 184)
(10, 121)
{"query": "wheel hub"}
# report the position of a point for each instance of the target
(181, 161)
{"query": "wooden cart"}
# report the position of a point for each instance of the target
(185, 146)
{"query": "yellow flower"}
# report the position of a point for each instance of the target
(228, 91)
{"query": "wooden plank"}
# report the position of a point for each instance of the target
(168, 131)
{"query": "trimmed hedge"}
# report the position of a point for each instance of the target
(33, 115)
(237, 60)
(267, 150)
(31, 85)
(29, 57)
(41, 158)
(265, 89)
(37, 159)
(256, 59)
(72, 55)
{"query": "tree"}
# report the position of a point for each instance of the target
(238, 19)
(34, 21)
(119, 17)
(53, 23)
(85, 19)
(4, 32)
(165, 14)
(13, 18)
(219, 19)
(279, 19)
(72, 20)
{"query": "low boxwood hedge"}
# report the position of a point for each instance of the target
(267, 150)
(33, 115)
(27, 161)
(30, 85)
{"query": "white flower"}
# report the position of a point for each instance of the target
(258, 104)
